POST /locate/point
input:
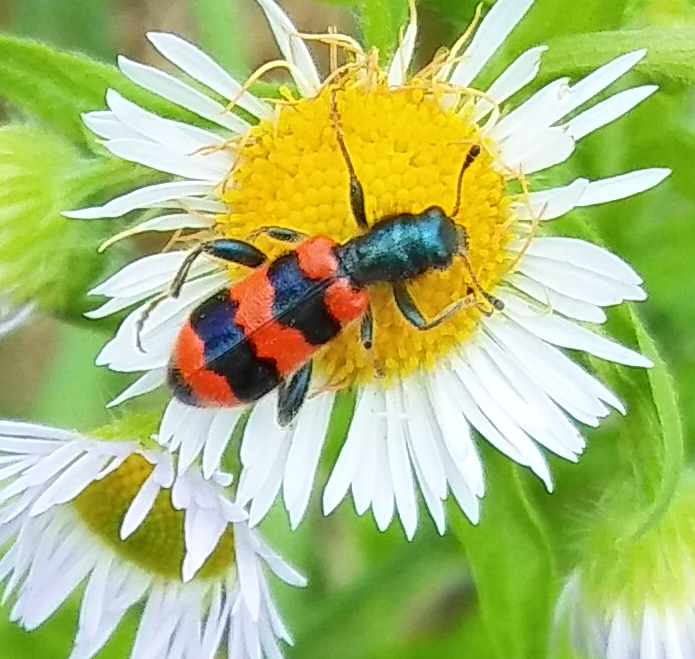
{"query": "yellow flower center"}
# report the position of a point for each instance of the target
(407, 152)
(157, 546)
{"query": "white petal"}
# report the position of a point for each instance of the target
(70, 483)
(599, 79)
(552, 147)
(534, 115)
(607, 111)
(181, 94)
(566, 334)
(105, 124)
(150, 274)
(194, 437)
(625, 185)
(399, 461)
(203, 68)
(140, 506)
(563, 380)
(557, 302)
(293, 49)
(10, 431)
(585, 254)
(421, 429)
(220, 433)
(551, 203)
(144, 198)
(493, 31)
(383, 501)
(303, 457)
(149, 382)
(577, 282)
(494, 424)
(398, 70)
(181, 137)
(203, 530)
(163, 159)
(349, 458)
(516, 76)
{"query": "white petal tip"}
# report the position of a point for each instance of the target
(125, 533)
(83, 214)
(295, 520)
(409, 532)
(39, 508)
(660, 173)
(329, 505)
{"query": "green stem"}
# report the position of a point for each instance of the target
(672, 457)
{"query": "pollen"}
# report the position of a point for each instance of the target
(407, 153)
(157, 546)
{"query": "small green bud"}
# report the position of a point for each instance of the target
(46, 259)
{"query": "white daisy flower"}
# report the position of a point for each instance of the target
(421, 394)
(653, 631)
(632, 594)
(119, 519)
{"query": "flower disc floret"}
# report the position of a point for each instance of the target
(158, 544)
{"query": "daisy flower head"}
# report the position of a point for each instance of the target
(425, 283)
(120, 521)
(632, 596)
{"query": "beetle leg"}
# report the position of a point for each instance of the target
(406, 305)
(279, 233)
(367, 329)
(292, 394)
(356, 190)
(226, 249)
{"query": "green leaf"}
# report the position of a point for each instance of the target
(56, 87)
(666, 403)
(671, 52)
(74, 24)
(512, 559)
(382, 22)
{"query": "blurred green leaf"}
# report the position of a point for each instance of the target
(221, 34)
(511, 557)
(56, 87)
(382, 22)
(74, 24)
(671, 52)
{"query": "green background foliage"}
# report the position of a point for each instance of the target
(484, 592)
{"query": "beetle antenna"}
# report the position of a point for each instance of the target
(472, 154)
(174, 290)
(356, 190)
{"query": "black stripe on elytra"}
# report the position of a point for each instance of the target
(180, 388)
(228, 352)
(299, 302)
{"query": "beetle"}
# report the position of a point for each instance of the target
(261, 332)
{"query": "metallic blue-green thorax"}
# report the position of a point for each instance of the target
(401, 247)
